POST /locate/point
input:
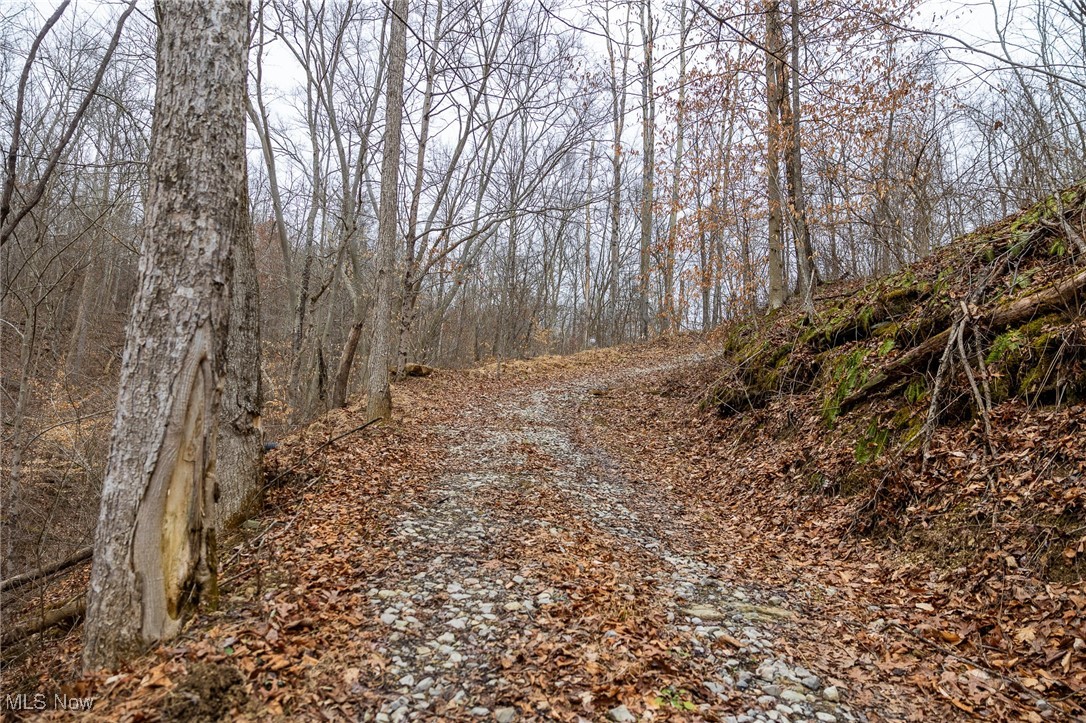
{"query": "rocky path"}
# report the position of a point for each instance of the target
(478, 577)
(495, 555)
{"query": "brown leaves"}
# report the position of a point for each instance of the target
(974, 589)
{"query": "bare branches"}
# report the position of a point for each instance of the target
(8, 224)
(17, 124)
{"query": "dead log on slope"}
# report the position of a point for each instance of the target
(1059, 296)
(17, 581)
(51, 619)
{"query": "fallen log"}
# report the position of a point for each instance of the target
(1058, 296)
(17, 581)
(51, 619)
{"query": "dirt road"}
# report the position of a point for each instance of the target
(485, 558)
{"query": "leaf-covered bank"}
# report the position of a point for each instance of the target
(927, 427)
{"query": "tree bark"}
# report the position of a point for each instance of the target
(673, 216)
(154, 549)
(379, 397)
(806, 271)
(346, 361)
(618, 115)
(648, 142)
(241, 444)
(773, 77)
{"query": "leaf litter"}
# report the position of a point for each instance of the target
(574, 540)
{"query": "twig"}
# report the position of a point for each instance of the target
(982, 404)
(1072, 235)
(937, 388)
(319, 447)
(1013, 682)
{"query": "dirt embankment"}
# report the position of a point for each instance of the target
(922, 440)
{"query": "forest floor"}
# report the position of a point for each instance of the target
(526, 546)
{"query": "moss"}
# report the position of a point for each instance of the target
(1019, 244)
(871, 446)
(847, 374)
(901, 418)
(1058, 247)
(895, 297)
(867, 313)
(1021, 359)
(1006, 344)
(1041, 374)
(927, 321)
(758, 367)
(854, 482)
(916, 389)
(1023, 280)
(888, 330)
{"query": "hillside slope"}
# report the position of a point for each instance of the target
(932, 421)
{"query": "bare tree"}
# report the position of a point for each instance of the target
(9, 217)
(648, 163)
(379, 397)
(775, 92)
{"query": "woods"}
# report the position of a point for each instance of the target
(224, 221)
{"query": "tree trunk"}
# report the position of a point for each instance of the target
(379, 397)
(346, 361)
(648, 142)
(806, 272)
(773, 73)
(411, 280)
(241, 443)
(154, 549)
(673, 216)
(588, 247)
(618, 109)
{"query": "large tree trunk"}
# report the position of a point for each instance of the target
(240, 443)
(379, 397)
(774, 98)
(154, 549)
